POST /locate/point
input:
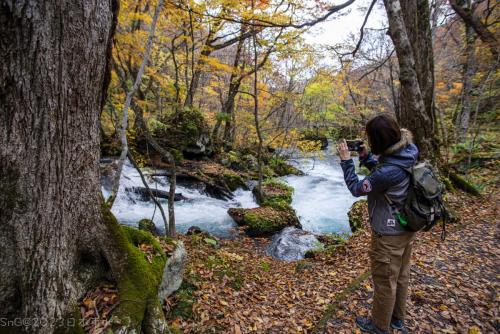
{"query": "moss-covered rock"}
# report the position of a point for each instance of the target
(234, 181)
(264, 220)
(274, 193)
(187, 131)
(282, 168)
(358, 215)
(275, 212)
(149, 226)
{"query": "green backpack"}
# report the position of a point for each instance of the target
(423, 206)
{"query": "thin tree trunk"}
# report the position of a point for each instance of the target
(151, 195)
(468, 76)
(476, 113)
(256, 112)
(171, 198)
(128, 100)
(53, 80)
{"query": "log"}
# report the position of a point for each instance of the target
(463, 184)
(144, 194)
(211, 189)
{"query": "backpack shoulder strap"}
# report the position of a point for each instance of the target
(409, 170)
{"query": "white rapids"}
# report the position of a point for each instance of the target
(321, 200)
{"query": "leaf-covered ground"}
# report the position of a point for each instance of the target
(238, 289)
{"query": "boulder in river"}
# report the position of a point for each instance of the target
(263, 221)
(275, 193)
(194, 230)
(291, 244)
(173, 271)
(283, 168)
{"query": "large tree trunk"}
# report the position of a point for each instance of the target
(410, 31)
(53, 79)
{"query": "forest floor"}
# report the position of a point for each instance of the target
(233, 287)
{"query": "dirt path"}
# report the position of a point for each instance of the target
(240, 290)
(454, 283)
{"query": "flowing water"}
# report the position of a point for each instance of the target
(321, 200)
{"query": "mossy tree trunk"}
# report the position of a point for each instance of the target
(54, 236)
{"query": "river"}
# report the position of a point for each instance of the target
(321, 200)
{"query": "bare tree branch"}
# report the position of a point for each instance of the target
(471, 19)
(362, 29)
(256, 22)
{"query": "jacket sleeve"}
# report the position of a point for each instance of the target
(378, 181)
(369, 161)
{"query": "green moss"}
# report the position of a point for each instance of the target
(267, 220)
(463, 184)
(357, 214)
(233, 181)
(447, 183)
(282, 168)
(180, 130)
(138, 282)
(278, 204)
(147, 225)
(274, 191)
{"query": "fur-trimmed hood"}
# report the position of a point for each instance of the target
(406, 139)
(404, 153)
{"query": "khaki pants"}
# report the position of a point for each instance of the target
(390, 261)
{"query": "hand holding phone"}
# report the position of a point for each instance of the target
(355, 145)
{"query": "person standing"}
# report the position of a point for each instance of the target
(392, 150)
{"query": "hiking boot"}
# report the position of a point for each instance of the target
(367, 325)
(399, 325)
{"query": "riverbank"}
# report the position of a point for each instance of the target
(236, 288)
(209, 188)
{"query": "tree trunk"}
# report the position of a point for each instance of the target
(462, 123)
(256, 114)
(228, 106)
(53, 79)
(410, 32)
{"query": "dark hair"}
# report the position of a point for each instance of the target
(383, 132)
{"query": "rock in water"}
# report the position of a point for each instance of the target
(291, 244)
(173, 271)
(265, 220)
(194, 230)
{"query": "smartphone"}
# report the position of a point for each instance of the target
(354, 145)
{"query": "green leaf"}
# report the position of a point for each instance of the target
(210, 241)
